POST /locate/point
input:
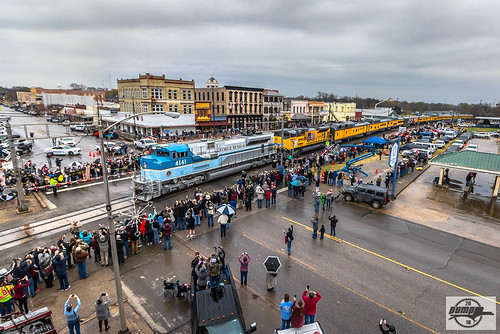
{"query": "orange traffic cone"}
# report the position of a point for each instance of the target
(376, 171)
(90, 154)
(93, 154)
(98, 152)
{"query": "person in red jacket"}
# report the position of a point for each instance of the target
(20, 295)
(268, 198)
(310, 298)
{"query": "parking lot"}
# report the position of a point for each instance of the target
(43, 133)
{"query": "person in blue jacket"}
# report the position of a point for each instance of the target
(71, 315)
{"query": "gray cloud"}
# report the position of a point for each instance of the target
(414, 50)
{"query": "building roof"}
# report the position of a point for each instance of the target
(317, 103)
(480, 162)
(151, 121)
(272, 93)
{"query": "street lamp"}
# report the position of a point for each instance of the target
(114, 251)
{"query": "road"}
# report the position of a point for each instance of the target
(372, 273)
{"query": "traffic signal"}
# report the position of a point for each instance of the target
(96, 133)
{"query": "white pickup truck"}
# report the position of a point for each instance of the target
(144, 143)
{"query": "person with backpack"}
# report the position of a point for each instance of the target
(71, 314)
(166, 233)
(210, 213)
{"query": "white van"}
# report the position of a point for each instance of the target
(430, 146)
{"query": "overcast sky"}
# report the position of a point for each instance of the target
(418, 50)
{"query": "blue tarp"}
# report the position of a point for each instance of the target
(375, 140)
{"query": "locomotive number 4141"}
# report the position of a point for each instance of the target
(180, 162)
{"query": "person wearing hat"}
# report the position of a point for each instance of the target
(210, 213)
(80, 253)
(102, 312)
(6, 298)
(103, 240)
(71, 315)
(59, 262)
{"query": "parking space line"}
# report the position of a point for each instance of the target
(342, 285)
(395, 262)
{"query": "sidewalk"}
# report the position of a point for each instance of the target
(100, 280)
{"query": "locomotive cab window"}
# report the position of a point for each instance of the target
(162, 153)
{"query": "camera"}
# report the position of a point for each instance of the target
(103, 294)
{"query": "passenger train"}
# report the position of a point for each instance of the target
(302, 140)
(171, 167)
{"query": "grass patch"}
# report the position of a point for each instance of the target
(481, 129)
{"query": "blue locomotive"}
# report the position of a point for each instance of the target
(177, 166)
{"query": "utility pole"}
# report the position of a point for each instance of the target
(282, 134)
(112, 232)
(21, 206)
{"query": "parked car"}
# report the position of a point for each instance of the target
(440, 143)
(446, 139)
(459, 142)
(485, 135)
(376, 196)
(56, 119)
(472, 147)
(66, 142)
(452, 149)
(77, 127)
(109, 145)
(144, 143)
(495, 134)
(63, 150)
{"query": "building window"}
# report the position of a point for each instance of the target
(245, 96)
(230, 96)
(175, 95)
(144, 108)
(190, 109)
(185, 109)
(189, 95)
(170, 108)
(222, 107)
(156, 93)
(170, 94)
(222, 93)
(217, 96)
(203, 96)
(184, 95)
(157, 107)
(176, 108)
